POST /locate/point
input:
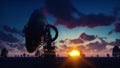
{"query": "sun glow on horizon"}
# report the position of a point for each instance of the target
(74, 53)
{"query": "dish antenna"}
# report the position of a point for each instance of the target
(38, 31)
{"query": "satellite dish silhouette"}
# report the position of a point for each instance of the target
(37, 30)
(4, 52)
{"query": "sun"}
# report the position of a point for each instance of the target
(74, 53)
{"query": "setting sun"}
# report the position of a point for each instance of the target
(74, 53)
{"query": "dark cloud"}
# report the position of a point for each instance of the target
(2, 46)
(82, 48)
(91, 46)
(93, 20)
(13, 47)
(64, 46)
(102, 40)
(77, 41)
(110, 32)
(12, 30)
(117, 27)
(115, 43)
(22, 48)
(8, 37)
(102, 45)
(62, 41)
(10, 41)
(62, 10)
(81, 39)
(9, 29)
(96, 45)
(86, 37)
(90, 21)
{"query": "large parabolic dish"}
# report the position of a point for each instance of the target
(35, 29)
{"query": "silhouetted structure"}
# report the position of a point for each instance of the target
(16, 56)
(27, 55)
(4, 52)
(97, 55)
(24, 54)
(108, 55)
(21, 55)
(37, 31)
(115, 51)
(83, 55)
(34, 30)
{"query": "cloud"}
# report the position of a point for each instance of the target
(117, 27)
(22, 48)
(13, 47)
(86, 37)
(90, 21)
(77, 41)
(68, 44)
(103, 41)
(64, 46)
(8, 37)
(102, 45)
(99, 46)
(82, 48)
(63, 10)
(62, 41)
(9, 41)
(96, 45)
(2, 45)
(12, 30)
(110, 32)
(9, 29)
(93, 45)
(81, 39)
(115, 43)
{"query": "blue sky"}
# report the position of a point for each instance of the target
(16, 13)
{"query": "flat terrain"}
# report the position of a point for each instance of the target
(37, 62)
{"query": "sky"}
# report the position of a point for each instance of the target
(92, 26)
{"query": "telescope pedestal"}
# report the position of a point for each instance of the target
(49, 56)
